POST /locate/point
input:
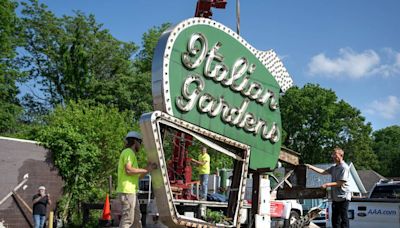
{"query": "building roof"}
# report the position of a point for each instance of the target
(369, 178)
(14, 152)
(26, 165)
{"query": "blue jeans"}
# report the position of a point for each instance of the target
(204, 186)
(339, 214)
(39, 220)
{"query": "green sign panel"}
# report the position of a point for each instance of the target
(206, 74)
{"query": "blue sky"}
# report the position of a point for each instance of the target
(351, 47)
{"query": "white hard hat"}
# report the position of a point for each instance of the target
(133, 134)
(41, 188)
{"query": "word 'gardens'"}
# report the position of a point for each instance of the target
(218, 71)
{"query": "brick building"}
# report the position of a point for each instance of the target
(18, 158)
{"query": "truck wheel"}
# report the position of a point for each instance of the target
(294, 216)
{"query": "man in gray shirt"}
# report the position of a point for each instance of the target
(340, 188)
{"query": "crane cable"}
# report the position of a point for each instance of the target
(238, 17)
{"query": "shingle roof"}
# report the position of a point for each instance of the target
(369, 178)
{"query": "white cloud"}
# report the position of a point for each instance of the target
(388, 70)
(356, 65)
(388, 108)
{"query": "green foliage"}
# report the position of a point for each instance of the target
(386, 144)
(359, 151)
(315, 122)
(135, 94)
(140, 88)
(215, 216)
(8, 117)
(73, 58)
(9, 39)
(149, 43)
(10, 108)
(86, 141)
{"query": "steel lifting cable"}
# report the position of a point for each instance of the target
(238, 17)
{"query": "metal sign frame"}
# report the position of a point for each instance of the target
(152, 127)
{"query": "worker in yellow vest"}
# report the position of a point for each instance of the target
(128, 181)
(204, 170)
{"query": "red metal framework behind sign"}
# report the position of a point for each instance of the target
(179, 167)
(203, 7)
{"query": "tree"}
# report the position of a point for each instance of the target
(73, 58)
(315, 122)
(386, 145)
(149, 42)
(10, 108)
(85, 141)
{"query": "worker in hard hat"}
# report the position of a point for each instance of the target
(128, 181)
(204, 170)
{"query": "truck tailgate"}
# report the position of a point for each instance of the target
(367, 213)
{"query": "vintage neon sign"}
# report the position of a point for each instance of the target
(206, 74)
(220, 73)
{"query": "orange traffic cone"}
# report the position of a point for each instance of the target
(106, 210)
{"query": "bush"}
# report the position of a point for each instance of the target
(85, 141)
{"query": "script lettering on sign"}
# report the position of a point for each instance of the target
(206, 74)
(237, 79)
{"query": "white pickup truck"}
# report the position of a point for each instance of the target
(287, 210)
(380, 209)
